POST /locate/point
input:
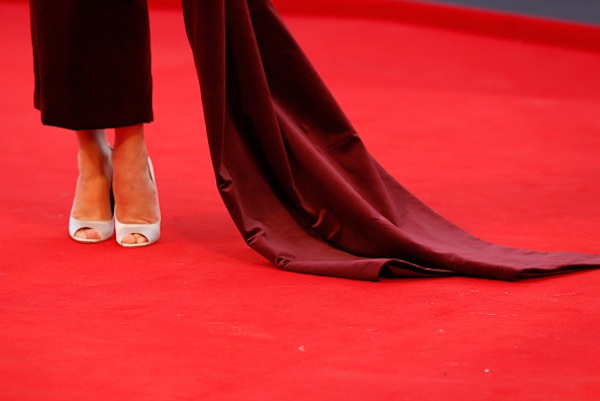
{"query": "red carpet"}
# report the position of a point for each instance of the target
(499, 135)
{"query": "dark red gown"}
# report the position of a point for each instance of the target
(296, 178)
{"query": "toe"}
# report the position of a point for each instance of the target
(128, 239)
(140, 239)
(87, 233)
(134, 239)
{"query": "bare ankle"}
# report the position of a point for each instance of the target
(94, 152)
(130, 146)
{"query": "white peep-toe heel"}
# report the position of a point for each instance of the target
(104, 228)
(150, 231)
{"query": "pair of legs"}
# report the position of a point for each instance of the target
(124, 170)
(93, 69)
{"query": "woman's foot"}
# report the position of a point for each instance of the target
(136, 197)
(92, 201)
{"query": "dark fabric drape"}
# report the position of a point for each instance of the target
(296, 178)
(92, 62)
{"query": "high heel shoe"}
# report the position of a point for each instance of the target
(150, 231)
(104, 228)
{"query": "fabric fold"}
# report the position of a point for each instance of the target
(298, 181)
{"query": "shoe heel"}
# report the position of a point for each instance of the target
(150, 231)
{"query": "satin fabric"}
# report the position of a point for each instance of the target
(296, 178)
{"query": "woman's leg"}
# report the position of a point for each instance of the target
(136, 198)
(92, 70)
(92, 193)
(126, 168)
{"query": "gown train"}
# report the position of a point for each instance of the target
(296, 178)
